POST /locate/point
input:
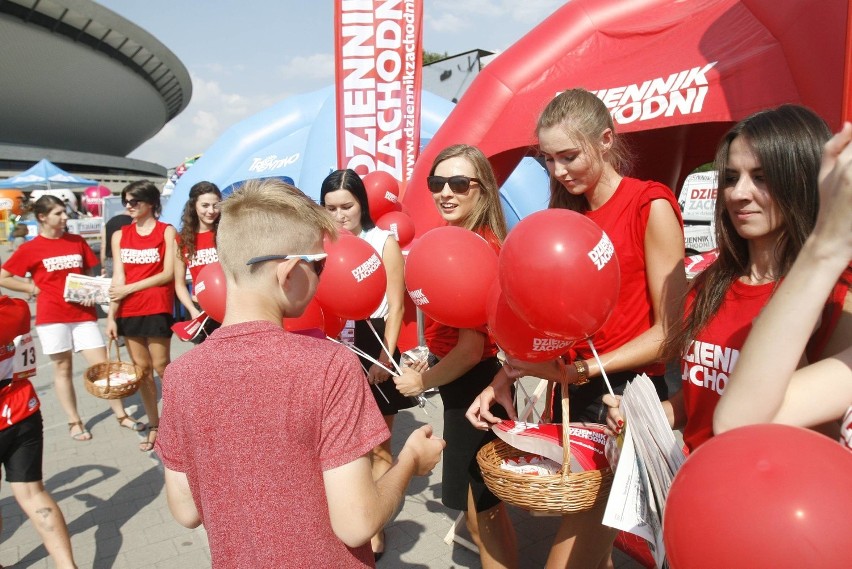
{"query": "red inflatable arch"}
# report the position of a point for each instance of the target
(675, 74)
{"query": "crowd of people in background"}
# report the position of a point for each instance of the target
(783, 232)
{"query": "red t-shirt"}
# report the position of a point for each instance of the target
(253, 417)
(143, 257)
(205, 253)
(442, 338)
(713, 353)
(711, 356)
(18, 400)
(624, 218)
(49, 261)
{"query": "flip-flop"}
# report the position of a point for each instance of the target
(83, 435)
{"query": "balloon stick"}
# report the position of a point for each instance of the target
(600, 365)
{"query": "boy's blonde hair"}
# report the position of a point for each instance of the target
(267, 217)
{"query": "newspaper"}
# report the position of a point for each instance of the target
(80, 288)
(650, 458)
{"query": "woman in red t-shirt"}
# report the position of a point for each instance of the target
(142, 292)
(586, 161)
(197, 243)
(63, 327)
(768, 168)
(466, 193)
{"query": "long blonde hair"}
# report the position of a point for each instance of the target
(584, 117)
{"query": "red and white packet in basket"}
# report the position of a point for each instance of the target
(588, 442)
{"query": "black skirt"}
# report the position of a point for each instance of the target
(367, 342)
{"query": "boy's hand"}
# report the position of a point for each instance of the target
(424, 449)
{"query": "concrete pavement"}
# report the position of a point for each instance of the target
(113, 500)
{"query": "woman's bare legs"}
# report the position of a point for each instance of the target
(493, 534)
(582, 542)
(148, 353)
(95, 356)
(64, 386)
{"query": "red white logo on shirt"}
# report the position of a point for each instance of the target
(204, 257)
(710, 365)
(63, 263)
(140, 256)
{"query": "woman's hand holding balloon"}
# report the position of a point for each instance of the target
(410, 382)
(614, 420)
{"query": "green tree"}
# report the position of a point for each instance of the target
(432, 56)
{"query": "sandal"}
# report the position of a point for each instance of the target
(83, 435)
(138, 426)
(148, 445)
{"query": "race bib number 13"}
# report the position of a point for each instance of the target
(25, 357)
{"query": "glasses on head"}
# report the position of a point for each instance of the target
(132, 202)
(317, 261)
(458, 184)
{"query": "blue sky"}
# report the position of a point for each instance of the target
(244, 56)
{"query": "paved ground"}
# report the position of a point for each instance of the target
(113, 500)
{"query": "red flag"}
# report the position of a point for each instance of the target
(378, 58)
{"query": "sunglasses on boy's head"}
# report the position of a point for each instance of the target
(317, 261)
(132, 202)
(458, 184)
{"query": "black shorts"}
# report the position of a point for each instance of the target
(150, 326)
(21, 449)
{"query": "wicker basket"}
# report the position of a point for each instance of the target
(103, 370)
(563, 493)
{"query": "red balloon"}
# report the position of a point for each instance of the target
(744, 499)
(333, 325)
(353, 282)
(517, 338)
(399, 224)
(210, 291)
(560, 273)
(312, 317)
(446, 273)
(382, 193)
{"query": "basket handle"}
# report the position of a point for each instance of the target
(113, 342)
(566, 437)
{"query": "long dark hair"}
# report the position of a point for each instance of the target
(350, 181)
(788, 142)
(189, 219)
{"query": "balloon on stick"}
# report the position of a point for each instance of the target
(211, 291)
(446, 272)
(560, 274)
(744, 499)
(353, 282)
(399, 224)
(517, 338)
(382, 193)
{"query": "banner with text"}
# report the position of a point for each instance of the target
(378, 58)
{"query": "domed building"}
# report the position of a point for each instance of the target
(83, 87)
